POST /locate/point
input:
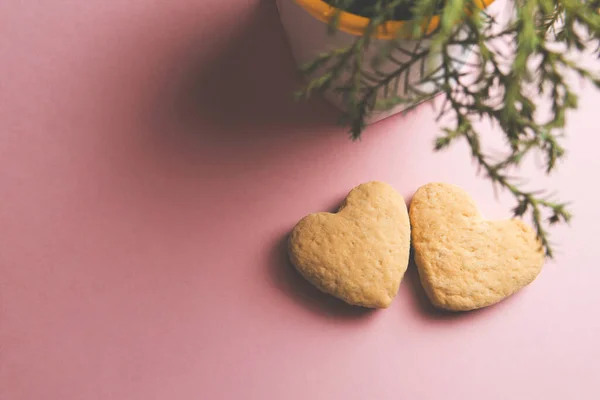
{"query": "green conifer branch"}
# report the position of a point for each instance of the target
(512, 65)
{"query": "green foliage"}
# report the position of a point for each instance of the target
(513, 65)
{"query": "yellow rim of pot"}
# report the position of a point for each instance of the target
(356, 24)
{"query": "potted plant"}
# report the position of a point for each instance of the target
(374, 58)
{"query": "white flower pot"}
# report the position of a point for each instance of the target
(305, 24)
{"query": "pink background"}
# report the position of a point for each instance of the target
(151, 164)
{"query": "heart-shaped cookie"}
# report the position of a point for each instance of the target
(360, 253)
(464, 261)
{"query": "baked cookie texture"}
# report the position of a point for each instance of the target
(464, 261)
(360, 253)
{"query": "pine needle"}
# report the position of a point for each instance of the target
(503, 87)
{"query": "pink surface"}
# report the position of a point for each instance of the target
(151, 164)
